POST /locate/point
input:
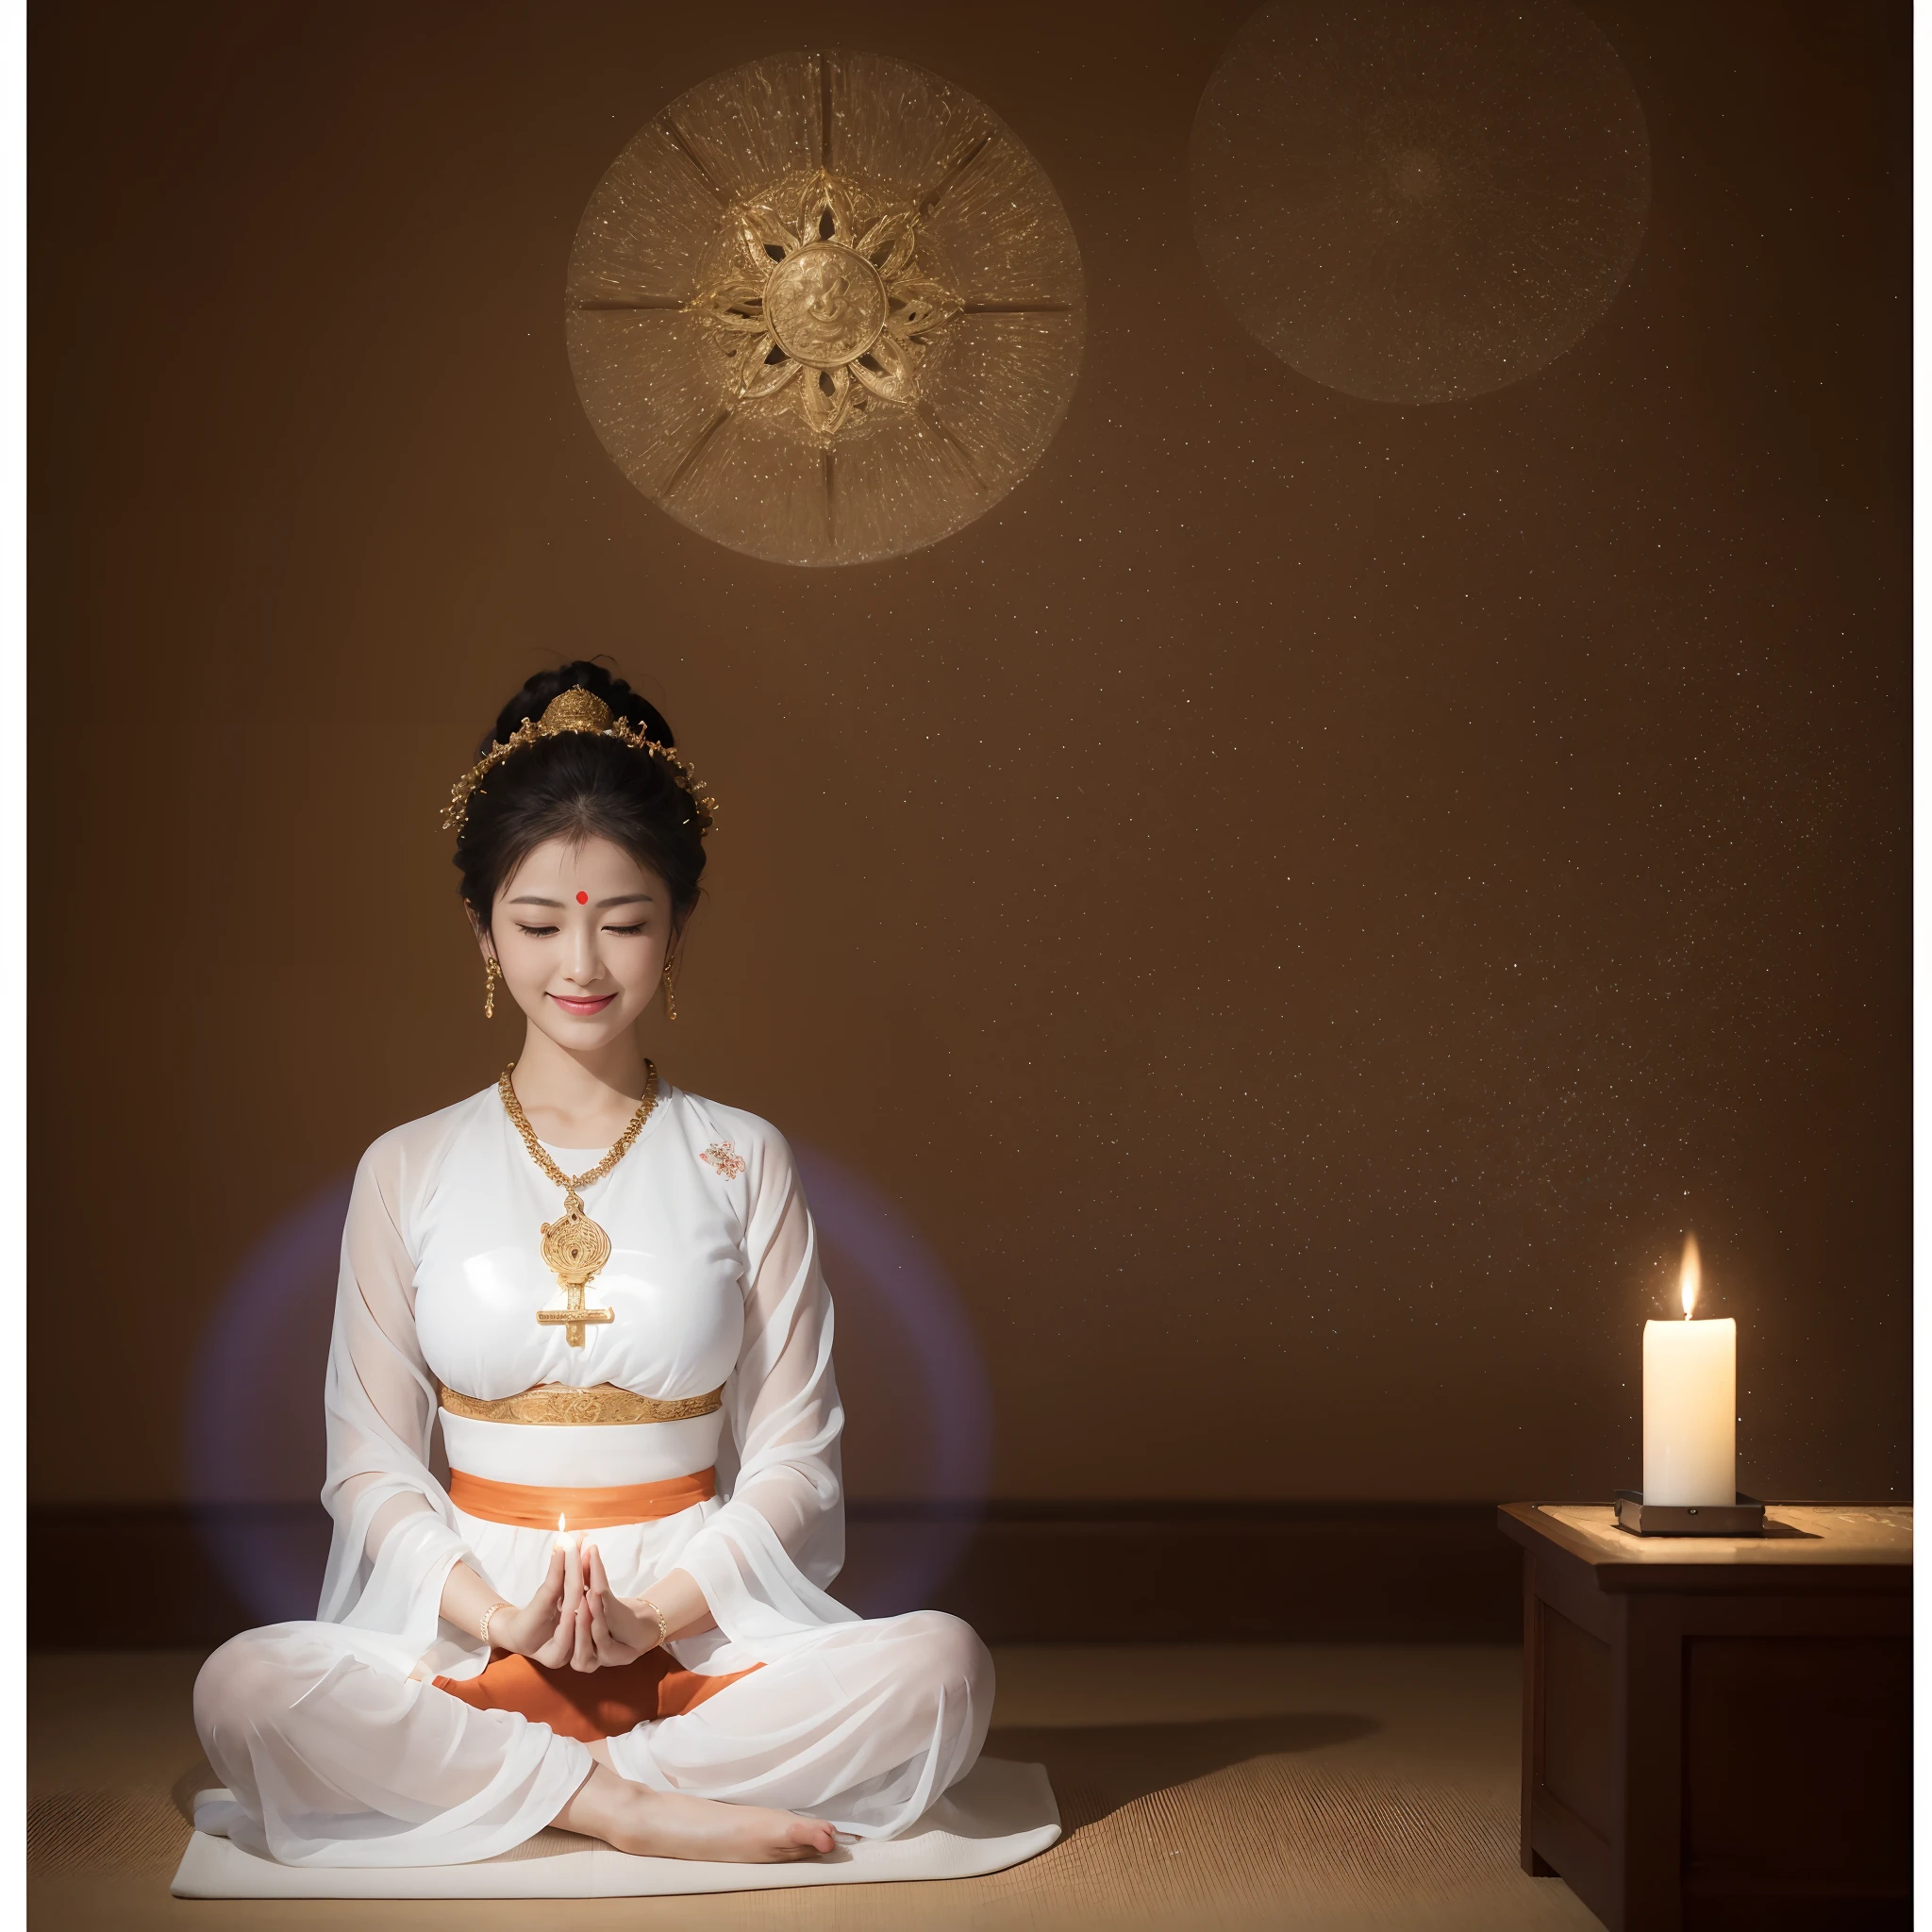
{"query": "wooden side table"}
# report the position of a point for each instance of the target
(1717, 1730)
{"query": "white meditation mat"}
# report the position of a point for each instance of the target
(997, 1815)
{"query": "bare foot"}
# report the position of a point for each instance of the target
(664, 1824)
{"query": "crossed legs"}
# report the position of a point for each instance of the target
(335, 1761)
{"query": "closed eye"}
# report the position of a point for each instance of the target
(536, 932)
(627, 931)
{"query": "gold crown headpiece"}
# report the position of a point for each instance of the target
(577, 710)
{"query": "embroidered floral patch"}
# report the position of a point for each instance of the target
(721, 1156)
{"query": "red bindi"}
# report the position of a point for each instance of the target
(583, 898)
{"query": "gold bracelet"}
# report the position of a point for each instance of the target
(663, 1622)
(499, 1605)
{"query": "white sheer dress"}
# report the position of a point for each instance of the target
(340, 1749)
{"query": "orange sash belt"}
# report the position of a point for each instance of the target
(589, 1704)
(527, 1505)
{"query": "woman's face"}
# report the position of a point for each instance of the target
(581, 932)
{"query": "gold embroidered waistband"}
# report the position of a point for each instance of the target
(558, 1406)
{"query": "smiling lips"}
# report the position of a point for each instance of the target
(583, 1008)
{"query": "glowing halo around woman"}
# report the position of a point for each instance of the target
(251, 1433)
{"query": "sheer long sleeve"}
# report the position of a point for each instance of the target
(764, 1559)
(395, 1537)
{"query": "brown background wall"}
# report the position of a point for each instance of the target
(1300, 906)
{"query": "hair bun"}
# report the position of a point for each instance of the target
(593, 677)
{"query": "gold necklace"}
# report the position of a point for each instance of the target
(574, 1247)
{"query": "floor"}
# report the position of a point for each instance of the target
(1227, 1786)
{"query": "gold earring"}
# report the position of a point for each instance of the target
(670, 991)
(491, 973)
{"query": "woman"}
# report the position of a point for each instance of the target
(607, 1291)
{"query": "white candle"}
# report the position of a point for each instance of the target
(1691, 1404)
(568, 1540)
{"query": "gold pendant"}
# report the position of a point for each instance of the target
(574, 1247)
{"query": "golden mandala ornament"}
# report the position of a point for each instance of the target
(1419, 200)
(824, 308)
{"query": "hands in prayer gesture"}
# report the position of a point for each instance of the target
(575, 1618)
(610, 1629)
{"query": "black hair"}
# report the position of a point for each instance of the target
(578, 785)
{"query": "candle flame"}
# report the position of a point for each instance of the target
(560, 1522)
(1690, 1278)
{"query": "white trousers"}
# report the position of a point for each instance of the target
(336, 1760)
